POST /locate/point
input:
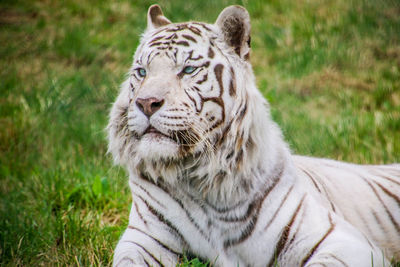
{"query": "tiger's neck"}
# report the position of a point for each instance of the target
(220, 179)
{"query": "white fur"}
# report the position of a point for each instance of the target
(186, 200)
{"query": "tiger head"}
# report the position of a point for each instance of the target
(190, 97)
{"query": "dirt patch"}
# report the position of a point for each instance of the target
(329, 78)
(10, 16)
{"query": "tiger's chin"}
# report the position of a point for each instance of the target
(153, 146)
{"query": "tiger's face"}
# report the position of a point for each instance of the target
(176, 91)
(184, 89)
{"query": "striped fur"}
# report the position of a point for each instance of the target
(210, 173)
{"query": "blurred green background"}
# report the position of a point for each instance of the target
(330, 69)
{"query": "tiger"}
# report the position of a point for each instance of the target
(211, 175)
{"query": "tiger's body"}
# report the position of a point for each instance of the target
(211, 175)
(367, 196)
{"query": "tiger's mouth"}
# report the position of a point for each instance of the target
(152, 130)
(153, 133)
(181, 138)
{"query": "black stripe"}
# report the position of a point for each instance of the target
(173, 124)
(218, 69)
(280, 245)
(224, 209)
(147, 252)
(232, 84)
(196, 58)
(205, 78)
(239, 157)
(149, 55)
(312, 179)
(147, 263)
(156, 43)
(313, 249)
(242, 112)
(134, 75)
(210, 53)
(279, 208)
(390, 179)
(127, 258)
(172, 117)
(378, 221)
(138, 212)
(251, 208)
(195, 30)
(190, 57)
(150, 59)
(339, 260)
(176, 109)
(180, 203)
(156, 240)
(162, 219)
(192, 198)
(294, 235)
(173, 56)
(146, 178)
(156, 39)
(147, 192)
(171, 37)
(222, 137)
(157, 32)
(191, 219)
(206, 64)
(326, 193)
(384, 189)
(366, 224)
(179, 27)
(202, 25)
(248, 230)
(184, 43)
(194, 101)
(175, 53)
(188, 37)
(395, 224)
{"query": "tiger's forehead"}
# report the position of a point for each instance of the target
(178, 42)
(180, 34)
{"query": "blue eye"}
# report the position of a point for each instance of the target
(189, 69)
(141, 72)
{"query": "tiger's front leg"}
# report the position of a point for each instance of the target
(146, 242)
(137, 248)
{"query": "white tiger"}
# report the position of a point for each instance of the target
(210, 173)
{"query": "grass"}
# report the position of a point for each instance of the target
(330, 69)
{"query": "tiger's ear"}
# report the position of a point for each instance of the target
(234, 22)
(155, 18)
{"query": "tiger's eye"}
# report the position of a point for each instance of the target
(141, 72)
(189, 69)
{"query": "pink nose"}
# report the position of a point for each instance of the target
(150, 105)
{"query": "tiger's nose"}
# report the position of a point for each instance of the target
(150, 105)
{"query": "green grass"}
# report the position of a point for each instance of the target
(330, 69)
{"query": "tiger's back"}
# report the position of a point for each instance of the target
(367, 196)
